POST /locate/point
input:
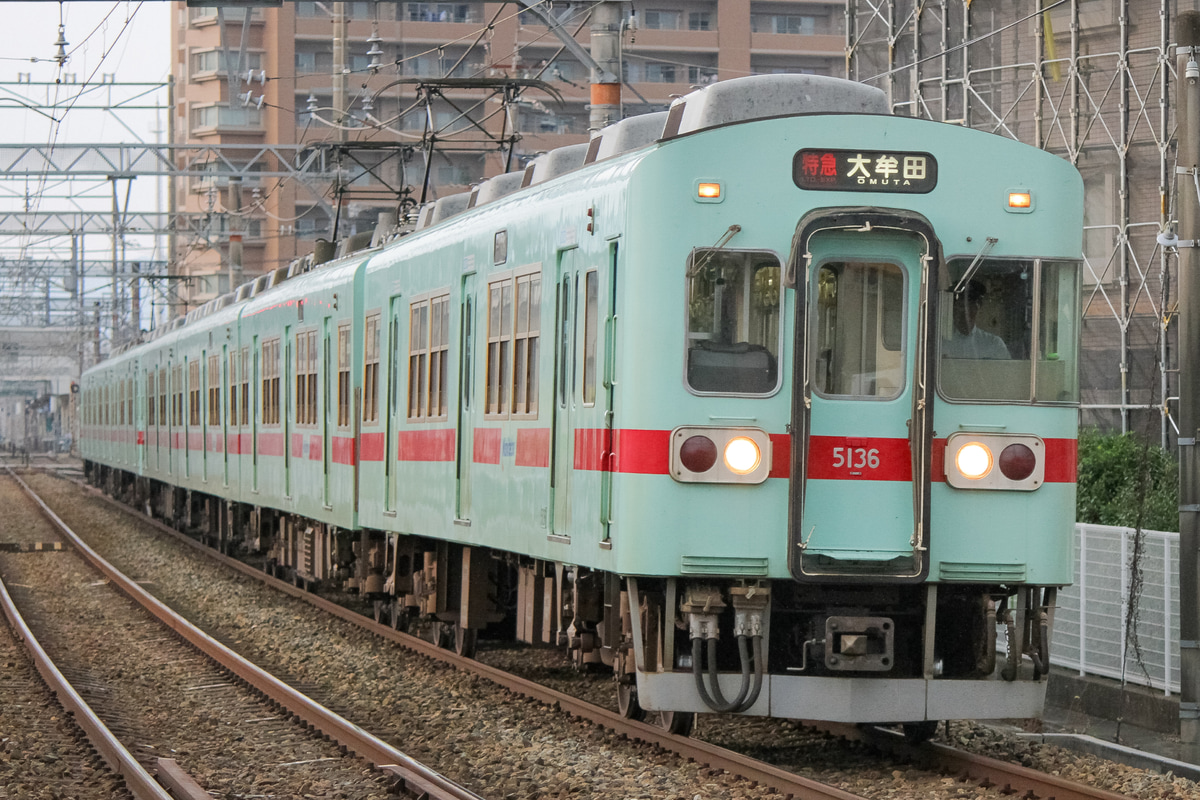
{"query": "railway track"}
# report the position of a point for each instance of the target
(967, 770)
(156, 695)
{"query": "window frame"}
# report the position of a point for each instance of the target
(905, 312)
(214, 390)
(345, 355)
(373, 321)
(429, 357)
(503, 405)
(193, 390)
(781, 340)
(270, 366)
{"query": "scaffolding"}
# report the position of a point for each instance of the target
(1089, 80)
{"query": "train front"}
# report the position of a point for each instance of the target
(872, 432)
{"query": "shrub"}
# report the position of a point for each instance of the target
(1122, 477)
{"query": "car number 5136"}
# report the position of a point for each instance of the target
(855, 457)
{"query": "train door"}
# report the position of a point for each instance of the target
(255, 412)
(862, 514)
(465, 453)
(286, 410)
(562, 455)
(326, 373)
(139, 417)
(222, 401)
(390, 445)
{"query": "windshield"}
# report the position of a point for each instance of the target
(734, 303)
(998, 319)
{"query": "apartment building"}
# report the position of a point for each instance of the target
(284, 91)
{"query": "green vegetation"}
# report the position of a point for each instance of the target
(1121, 476)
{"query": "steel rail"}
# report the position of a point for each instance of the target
(139, 782)
(987, 771)
(710, 755)
(374, 750)
(984, 770)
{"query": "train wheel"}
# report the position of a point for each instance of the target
(399, 618)
(919, 732)
(679, 723)
(383, 611)
(436, 633)
(627, 702)
(465, 641)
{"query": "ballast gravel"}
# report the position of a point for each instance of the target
(503, 746)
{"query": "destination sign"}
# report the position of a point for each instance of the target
(864, 171)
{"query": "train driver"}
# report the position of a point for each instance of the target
(967, 340)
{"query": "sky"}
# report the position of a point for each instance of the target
(99, 43)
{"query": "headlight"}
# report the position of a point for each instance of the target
(973, 460)
(742, 455)
(720, 455)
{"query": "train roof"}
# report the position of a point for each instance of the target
(718, 104)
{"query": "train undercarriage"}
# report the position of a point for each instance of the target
(910, 654)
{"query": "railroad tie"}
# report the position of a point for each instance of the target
(31, 547)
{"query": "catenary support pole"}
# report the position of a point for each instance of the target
(1188, 122)
(605, 29)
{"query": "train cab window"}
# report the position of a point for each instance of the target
(859, 332)
(992, 320)
(733, 336)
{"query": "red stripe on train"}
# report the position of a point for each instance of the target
(430, 445)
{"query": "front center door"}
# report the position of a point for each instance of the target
(860, 514)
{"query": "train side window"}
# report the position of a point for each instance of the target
(734, 308)
(1058, 333)
(500, 247)
(121, 402)
(306, 378)
(245, 363)
(514, 338)
(858, 331)
(591, 317)
(151, 400)
(428, 349)
(214, 390)
(194, 392)
(234, 377)
(270, 382)
(177, 395)
(500, 334)
(162, 396)
(343, 382)
(371, 369)
(526, 339)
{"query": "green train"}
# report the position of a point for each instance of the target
(767, 403)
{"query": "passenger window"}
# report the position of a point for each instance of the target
(733, 338)
(858, 330)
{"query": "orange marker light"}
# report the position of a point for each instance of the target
(1020, 200)
(709, 191)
